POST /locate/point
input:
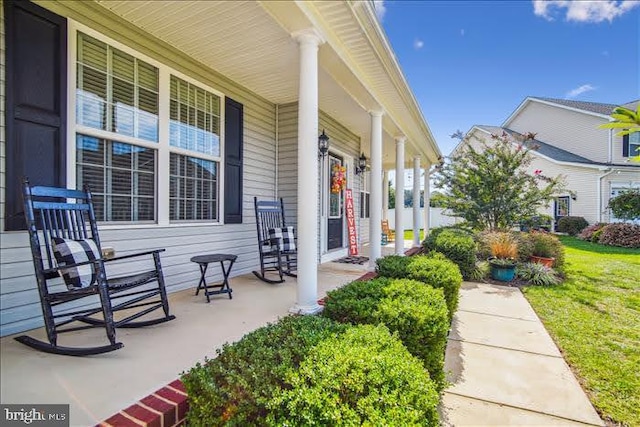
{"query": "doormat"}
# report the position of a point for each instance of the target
(353, 260)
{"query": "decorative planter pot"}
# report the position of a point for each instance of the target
(547, 262)
(503, 273)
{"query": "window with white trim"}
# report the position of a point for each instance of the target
(634, 144)
(116, 98)
(118, 132)
(195, 153)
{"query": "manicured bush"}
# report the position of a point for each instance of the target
(459, 247)
(621, 234)
(438, 273)
(550, 245)
(537, 274)
(588, 233)
(430, 241)
(412, 308)
(572, 225)
(419, 315)
(393, 266)
(234, 388)
(355, 302)
(362, 377)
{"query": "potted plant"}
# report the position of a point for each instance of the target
(543, 249)
(504, 251)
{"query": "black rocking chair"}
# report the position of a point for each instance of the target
(60, 216)
(276, 254)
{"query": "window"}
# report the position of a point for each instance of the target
(195, 131)
(634, 144)
(118, 149)
(365, 195)
(116, 99)
(562, 206)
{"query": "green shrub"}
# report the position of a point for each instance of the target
(234, 388)
(459, 248)
(393, 266)
(438, 273)
(572, 225)
(430, 241)
(537, 274)
(419, 315)
(436, 255)
(414, 309)
(355, 302)
(549, 245)
(362, 377)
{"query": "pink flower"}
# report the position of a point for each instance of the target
(537, 172)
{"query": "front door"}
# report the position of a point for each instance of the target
(336, 200)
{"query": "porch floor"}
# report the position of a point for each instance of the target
(97, 387)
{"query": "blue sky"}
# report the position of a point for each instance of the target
(473, 62)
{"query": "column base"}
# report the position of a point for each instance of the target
(306, 309)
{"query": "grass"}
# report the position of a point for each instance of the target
(408, 234)
(594, 318)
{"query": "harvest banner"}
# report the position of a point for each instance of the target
(351, 224)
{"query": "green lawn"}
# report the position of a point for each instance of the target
(408, 234)
(594, 318)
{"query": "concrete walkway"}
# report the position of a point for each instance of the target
(504, 367)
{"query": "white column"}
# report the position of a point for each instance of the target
(375, 201)
(307, 290)
(416, 201)
(427, 198)
(385, 194)
(400, 194)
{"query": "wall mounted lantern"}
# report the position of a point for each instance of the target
(361, 165)
(323, 145)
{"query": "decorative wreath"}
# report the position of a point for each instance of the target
(338, 178)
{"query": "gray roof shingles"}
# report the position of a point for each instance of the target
(594, 107)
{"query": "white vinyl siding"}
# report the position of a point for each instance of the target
(19, 301)
(575, 132)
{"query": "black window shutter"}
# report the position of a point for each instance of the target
(625, 146)
(36, 87)
(233, 140)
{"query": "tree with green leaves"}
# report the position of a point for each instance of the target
(489, 186)
(626, 205)
(627, 120)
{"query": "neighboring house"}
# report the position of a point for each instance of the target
(177, 114)
(595, 162)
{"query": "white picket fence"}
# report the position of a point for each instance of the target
(437, 217)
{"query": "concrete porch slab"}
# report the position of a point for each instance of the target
(533, 382)
(98, 386)
(463, 411)
(504, 332)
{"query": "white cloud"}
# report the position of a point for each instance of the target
(580, 90)
(418, 44)
(380, 9)
(462, 32)
(582, 10)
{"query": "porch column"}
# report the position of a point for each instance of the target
(400, 140)
(375, 201)
(307, 290)
(416, 201)
(427, 199)
(385, 194)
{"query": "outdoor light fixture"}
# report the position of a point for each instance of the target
(323, 145)
(361, 166)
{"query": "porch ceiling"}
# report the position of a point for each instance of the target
(250, 43)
